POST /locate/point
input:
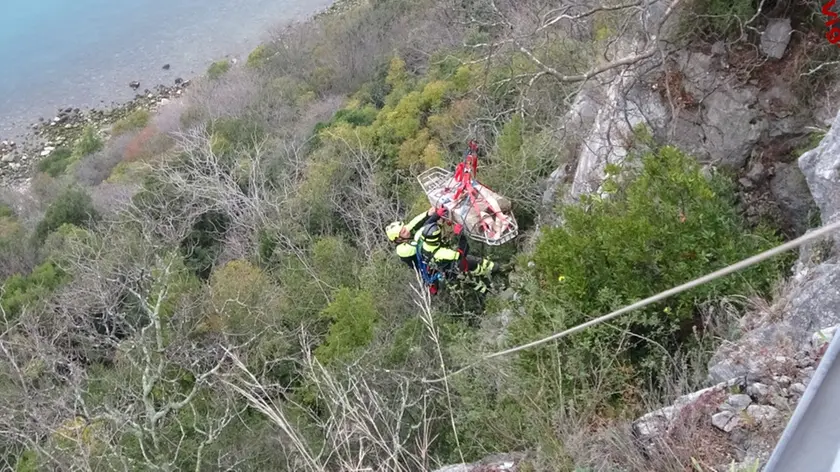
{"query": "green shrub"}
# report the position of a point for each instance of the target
(356, 116)
(135, 120)
(127, 172)
(27, 462)
(510, 140)
(88, 143)
(434, 94)
(218, 69)
(259, 56)
(722, 18)
(20, 291)
(233, 134)
(61, 158)
(204, 243)
(74, 206)
(242, 297)
(353, 319)
(315, 195)
(56, 163)
(17, 255)
(335, 262)
(519, 165)
(665, 225)
(6, 211)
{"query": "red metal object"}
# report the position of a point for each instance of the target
(464, 175)
(832, 35)
(462, 192)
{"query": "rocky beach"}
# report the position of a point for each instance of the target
(22, 145)
(17, 155)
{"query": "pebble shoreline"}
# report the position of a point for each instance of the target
(63, 129)
(48, 134)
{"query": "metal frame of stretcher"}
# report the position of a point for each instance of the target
(437, 178)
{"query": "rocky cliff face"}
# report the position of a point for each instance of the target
(758, 380)
(820, 167)
(705, 102)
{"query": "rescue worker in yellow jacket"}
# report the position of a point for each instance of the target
(424, 230)
(448, 260)
(405, 235)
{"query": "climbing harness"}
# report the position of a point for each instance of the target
(431, 276)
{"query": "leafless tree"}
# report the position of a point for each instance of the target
(363, 203)
(204, 181)
(126, 307)
(368, 424)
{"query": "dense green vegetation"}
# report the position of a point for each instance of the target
(227, 300)
(56, 163)
(134, 121)
(217, 69)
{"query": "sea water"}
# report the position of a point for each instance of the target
(84, 53)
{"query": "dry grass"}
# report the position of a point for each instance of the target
(671, 88)
(760, 312)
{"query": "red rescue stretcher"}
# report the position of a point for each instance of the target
(484, 215)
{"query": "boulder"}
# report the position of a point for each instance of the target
(752, 356)
(791, 192)
(8, 158)
(759, 391)
(576, 122)
(730, 145)
(725, 421)
(757, 173)
(627, 104)
(822, 337)
(746, 183)
(726, 123)
(736, 403)
(762, 413)
(821, 167)
(784, 109)
(782, 380)
(657, 423)
(815, 302)
(166, 67)
(134, 84)
(775, 38)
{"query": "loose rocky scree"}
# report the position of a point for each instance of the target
(16, 158)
